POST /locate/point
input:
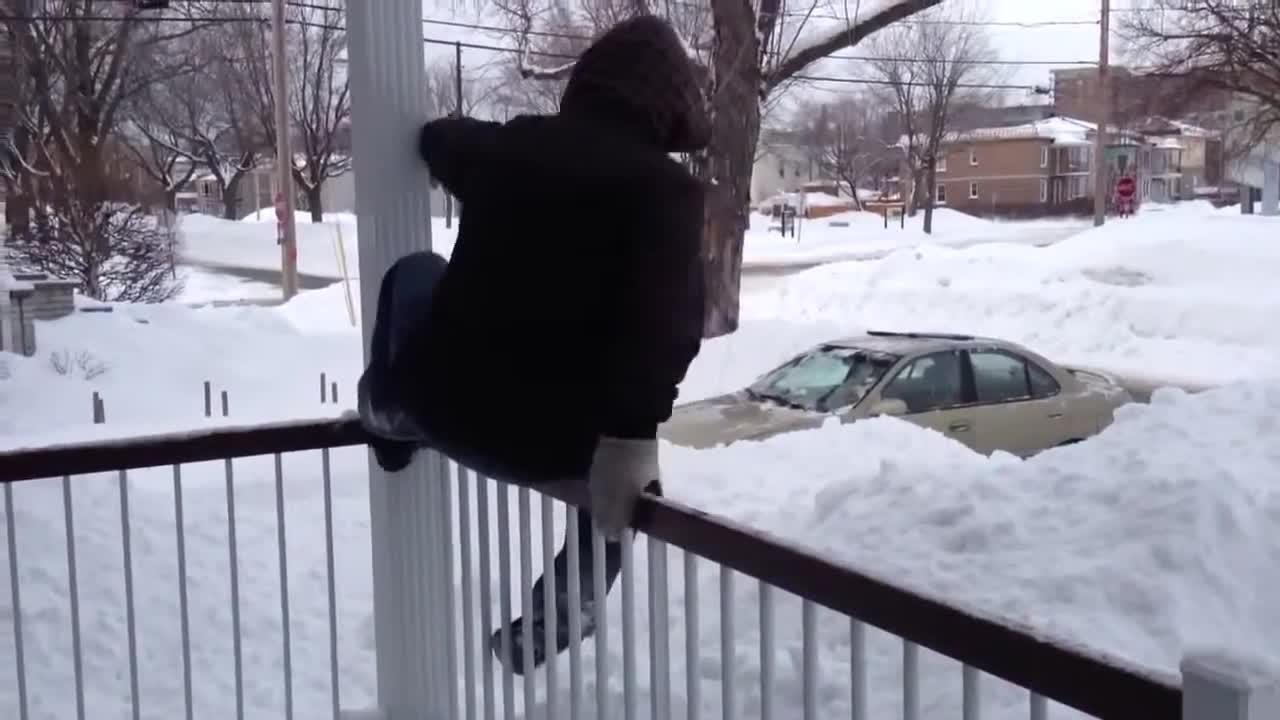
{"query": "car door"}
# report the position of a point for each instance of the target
(1019, 407)
(933, 387)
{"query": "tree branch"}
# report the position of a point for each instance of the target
(844, 38)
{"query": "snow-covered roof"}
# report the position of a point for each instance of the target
(1059, 130)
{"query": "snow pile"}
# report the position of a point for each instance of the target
(1157, 537)
(1187, 295)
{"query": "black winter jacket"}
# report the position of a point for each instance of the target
(572, 304)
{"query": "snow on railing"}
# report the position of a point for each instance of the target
(767, 665)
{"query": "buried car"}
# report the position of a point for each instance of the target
(988, 394)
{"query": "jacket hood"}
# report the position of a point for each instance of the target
(638, 78)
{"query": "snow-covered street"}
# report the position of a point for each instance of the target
(1156, 537)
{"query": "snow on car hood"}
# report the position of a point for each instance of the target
(725, 419)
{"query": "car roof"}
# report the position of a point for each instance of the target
(912, 343)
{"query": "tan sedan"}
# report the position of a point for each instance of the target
(988, 394)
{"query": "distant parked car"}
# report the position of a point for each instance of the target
(988, 394)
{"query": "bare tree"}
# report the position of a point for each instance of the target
(923, 89)
(442, 88)
(157, 135)
(319, 99)
(848, 142)
(319, 93)
(82, 73)
(748, 52)
(1208, 52)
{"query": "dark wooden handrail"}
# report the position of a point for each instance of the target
(1093, 683)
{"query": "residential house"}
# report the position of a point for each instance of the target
(1033, 169)
(1200, 156)
(1045, 168)
(784, 163)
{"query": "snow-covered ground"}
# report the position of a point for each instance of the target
(252, 244)
(1156, 537)
(862, 235)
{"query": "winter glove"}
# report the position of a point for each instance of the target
(620, 470)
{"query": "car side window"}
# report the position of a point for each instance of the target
(930, 382)
(1042, 383)
(999, 377)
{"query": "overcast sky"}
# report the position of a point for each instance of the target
(1043, 43)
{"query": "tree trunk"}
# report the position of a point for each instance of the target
(917, 182)
(735, 131)
(231, 199)
(315, 203)
(171, 200)
(931, 184)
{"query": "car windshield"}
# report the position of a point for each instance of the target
(823, 379)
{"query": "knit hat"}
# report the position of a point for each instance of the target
(640, 67)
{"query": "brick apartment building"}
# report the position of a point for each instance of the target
(1134, 96)
(1026, 170)
(1044, 168)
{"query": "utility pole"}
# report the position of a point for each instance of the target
(457, 75)
(287, 235)
(1100, 192)
(457, 84)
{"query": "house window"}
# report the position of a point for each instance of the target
(942, 161)
(1075, 187)
(973, 191)
(1078, 157)
(1044, 190)
(782, 168)
(1044, 157)
(940, 194)
(973, 156)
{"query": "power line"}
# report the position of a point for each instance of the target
(862, 58)
(496, 48)
(942, 21)
(897, 83)
(810, 78)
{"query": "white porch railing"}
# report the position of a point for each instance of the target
(265, 617)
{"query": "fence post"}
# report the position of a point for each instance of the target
(1217, 687)
(393, 207)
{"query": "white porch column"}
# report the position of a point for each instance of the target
(393, 204)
